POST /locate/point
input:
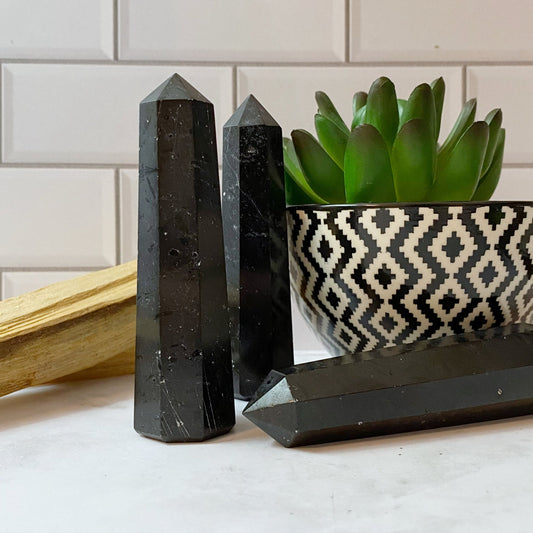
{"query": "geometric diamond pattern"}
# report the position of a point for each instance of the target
(369, 277)
(325, 249)
(453, 247)
(488, 274)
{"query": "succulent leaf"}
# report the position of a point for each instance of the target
(413, 159)
(359, 117)
(463, 122)
(382, 109)
(297, 188)
(494, 120)
(359, 100)
(459, 175)
(331, 138)
(439, 88)
(321, 172)
(328, 110)
(489, 182)
(391, 152)
(421, 104)
(296, 196)
(401, 106)
(367, 168)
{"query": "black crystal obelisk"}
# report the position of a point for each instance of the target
(255, 235)
(455, 380)
(183, 383)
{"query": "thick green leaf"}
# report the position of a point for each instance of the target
(296, 196)
(367, 169)
(321, 172)
(489, 181)
(297, 190)
(328, 110)
(401, 106)
(359, 117)
(439, 88)
(359, 100)
(463, 122)
(331, 138)
(494, 120)
(421, 104)
(413, 159)
(382, 109)
(459, 175)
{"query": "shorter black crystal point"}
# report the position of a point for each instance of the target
(251, 113)
(183, 376)
(255, 234)
(456, 380)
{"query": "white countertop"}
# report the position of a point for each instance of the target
(70, 461)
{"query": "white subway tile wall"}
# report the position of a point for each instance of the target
(73, 73)
(454, 30)
(511, 88)
(232, 30)
(57, 217)
(57, 29)
(128, 214)
(88, 113)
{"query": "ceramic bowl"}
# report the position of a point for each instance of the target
(371, 276)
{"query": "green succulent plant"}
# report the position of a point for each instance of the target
(390, 152)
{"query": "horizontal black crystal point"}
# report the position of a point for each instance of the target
(458, 380)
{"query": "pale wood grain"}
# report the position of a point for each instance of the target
(119, 365)
(83, 327)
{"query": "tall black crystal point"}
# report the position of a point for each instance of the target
(183, 383)
(255, 234)
(402, 389)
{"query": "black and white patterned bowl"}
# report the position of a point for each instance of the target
(371, 276)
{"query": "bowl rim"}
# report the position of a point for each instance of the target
(338, 207)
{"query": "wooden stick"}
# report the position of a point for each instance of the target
(68, 328)
(123, 363)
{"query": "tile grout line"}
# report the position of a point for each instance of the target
(36, 270)
(101, 166)
(1, 117)
(72, 166)
(118, 218)
(463, 83)
(518, 165)
(115, 30)
(347, 29)
(274, 63)
(234, 95)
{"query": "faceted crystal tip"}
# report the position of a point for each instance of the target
(251, 113)
(175, 88)
(274, 396)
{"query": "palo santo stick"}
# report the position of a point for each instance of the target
(69, 327)
(123, 363)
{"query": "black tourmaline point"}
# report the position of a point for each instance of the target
(183, 383)
(255, 233)
(456, 380)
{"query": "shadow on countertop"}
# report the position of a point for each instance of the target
(44, 402)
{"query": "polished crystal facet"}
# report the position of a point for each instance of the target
(455, 380)
(183, 384)
(255, 232)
